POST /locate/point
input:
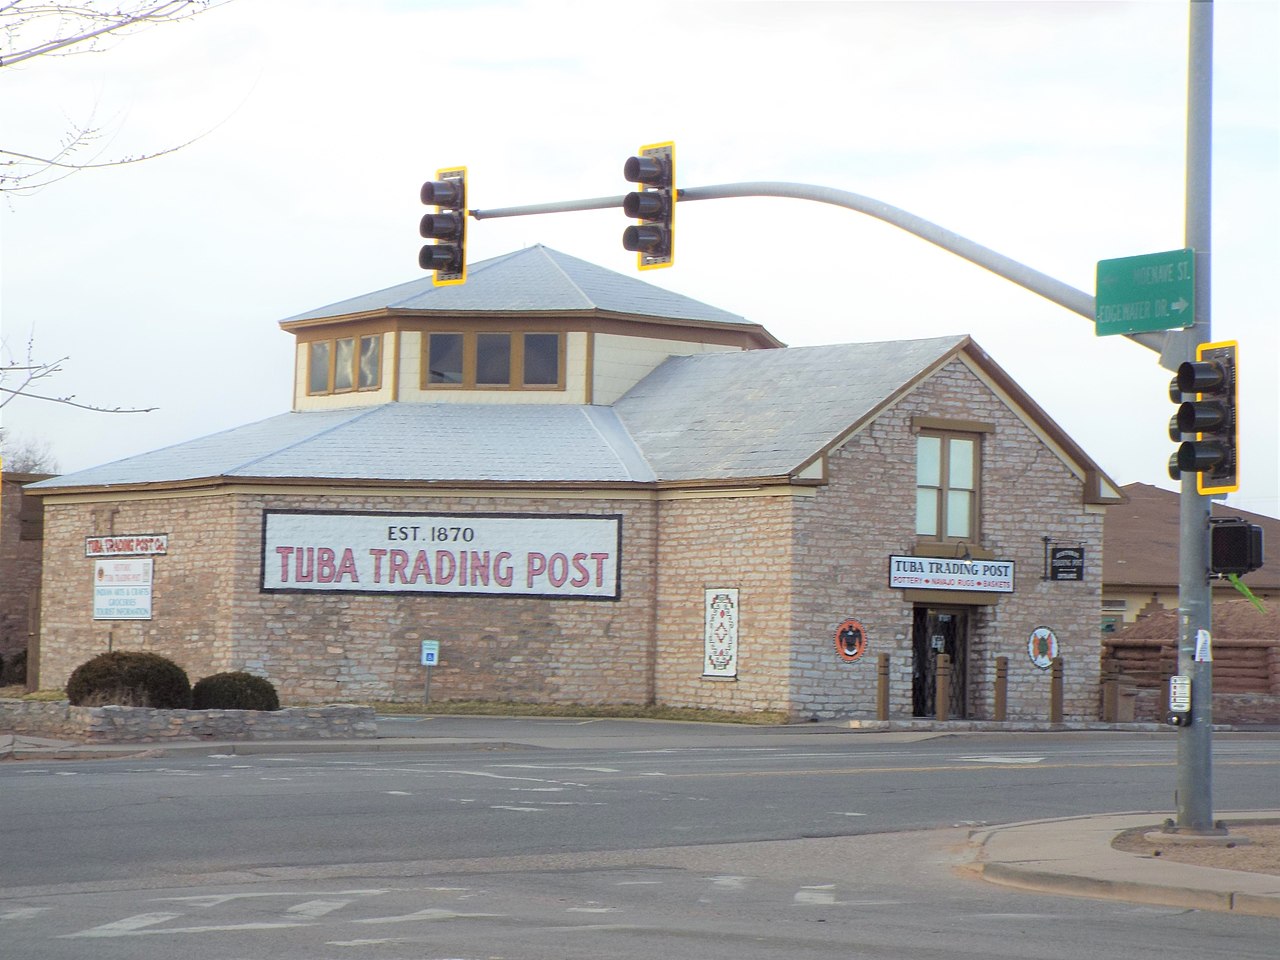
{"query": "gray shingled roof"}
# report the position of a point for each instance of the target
(535, 279)
(765, 413)
(397, 441)
(720, 416)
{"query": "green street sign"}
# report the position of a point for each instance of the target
(1154, 291)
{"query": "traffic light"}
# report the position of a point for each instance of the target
(654, 205)
(447, 256)
(1211, 417)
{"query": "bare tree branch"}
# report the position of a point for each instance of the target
(33, 371)
(83, 24)
(36, 29)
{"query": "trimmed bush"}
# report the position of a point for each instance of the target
(130, 678)
(234, 691)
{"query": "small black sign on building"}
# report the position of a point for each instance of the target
(1066, 563)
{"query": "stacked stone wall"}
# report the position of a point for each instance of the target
(725, 542)
(191, 585)
(143, 724)
(19, 568)
(210, 614)
(866, 513)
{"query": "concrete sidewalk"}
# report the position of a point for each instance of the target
(1075, 857)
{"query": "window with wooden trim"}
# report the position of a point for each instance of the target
(483, 360)
(947, 472)
(344, 364)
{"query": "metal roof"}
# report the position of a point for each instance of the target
(766, 413)
(535, 279)
(720, 416)
(397, 441)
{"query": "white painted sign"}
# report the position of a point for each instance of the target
(935, 573)
(127, 545)
(533, 555)
(721, 636)
(122, 589)
(430, 652)
(1180, 694)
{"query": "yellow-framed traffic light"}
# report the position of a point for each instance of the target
(1206, 391)
(447, 227)
(654, 205)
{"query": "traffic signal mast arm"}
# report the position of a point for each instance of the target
(1065, 295)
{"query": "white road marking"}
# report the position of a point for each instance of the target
(314, 909)
(397, 793)
(730, 882)
(823, 895)
(498, 776)
(550, 766)
(998, 759)
(500, 806)
(590, 909)
(429, 914)
(126, 927)
(839, 813)
(22, 913)
(364, 943)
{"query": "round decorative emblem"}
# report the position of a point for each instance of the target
(1042, 647)
(851, 641)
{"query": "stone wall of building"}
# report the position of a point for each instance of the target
(715, 543)
(20, 547)
(802, 559)
(846, 534)
(190, 589)
(210, 615)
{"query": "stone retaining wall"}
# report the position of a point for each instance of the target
(145, 725)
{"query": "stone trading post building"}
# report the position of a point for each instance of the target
(559, 484)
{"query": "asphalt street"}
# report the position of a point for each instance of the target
(566, 838)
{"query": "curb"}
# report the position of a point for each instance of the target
(1188, 898)
(1024, 863)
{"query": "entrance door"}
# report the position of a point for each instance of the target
(938, 630)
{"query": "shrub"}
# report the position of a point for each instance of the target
(15, 670)
(234, 691)
(130, 678)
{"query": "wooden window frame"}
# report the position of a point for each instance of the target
(940, 537)
(470, 341)
(357, 341)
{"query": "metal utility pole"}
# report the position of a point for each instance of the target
(1194, 797)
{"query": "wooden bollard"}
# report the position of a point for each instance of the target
(942, 690)
(882, 687)
(1110, 691)
(1055, 691)
(1002, 690)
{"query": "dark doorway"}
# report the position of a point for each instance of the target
(936, 630)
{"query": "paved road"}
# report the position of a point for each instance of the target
(564, 839)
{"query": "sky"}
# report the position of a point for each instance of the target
(1053, 133)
